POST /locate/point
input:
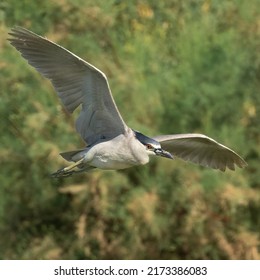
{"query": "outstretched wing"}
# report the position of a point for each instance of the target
(202, 150)
(76, 82)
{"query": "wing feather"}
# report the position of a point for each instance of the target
(201, 149)
(76, 82)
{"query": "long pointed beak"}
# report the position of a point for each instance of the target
(163, 153)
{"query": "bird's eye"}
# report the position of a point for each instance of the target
(149, 146)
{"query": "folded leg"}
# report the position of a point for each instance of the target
(69, 170)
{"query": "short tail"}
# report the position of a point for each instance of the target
(68, 155)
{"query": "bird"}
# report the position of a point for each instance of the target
(110, 143)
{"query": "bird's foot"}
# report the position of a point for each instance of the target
(69, 170)
(62, 173)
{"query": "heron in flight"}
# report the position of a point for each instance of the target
(110, 143)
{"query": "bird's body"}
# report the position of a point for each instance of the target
(111, 144)
(126, 152)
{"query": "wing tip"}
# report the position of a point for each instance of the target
(241, 163)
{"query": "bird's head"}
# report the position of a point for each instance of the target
(152, 146)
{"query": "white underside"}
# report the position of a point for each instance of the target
(119, 153)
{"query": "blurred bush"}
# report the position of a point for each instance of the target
(174, 67)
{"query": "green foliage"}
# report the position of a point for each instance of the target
(173, 66)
